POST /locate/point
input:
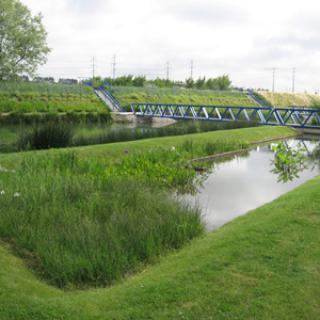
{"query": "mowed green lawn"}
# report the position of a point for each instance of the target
(264, 265)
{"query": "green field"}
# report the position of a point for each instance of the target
(28, 97)
(126, 95)
(264, 265)
(284, 100)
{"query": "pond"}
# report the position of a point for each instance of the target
(245, 182)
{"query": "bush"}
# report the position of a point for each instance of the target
(50, 135)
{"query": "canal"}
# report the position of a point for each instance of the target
(244, 182)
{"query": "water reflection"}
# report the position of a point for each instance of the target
(240, 184)
(289, 161)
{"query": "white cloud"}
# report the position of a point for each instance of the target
(245, 39)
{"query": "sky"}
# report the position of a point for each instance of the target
(246, 39)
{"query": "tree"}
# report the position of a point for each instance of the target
(139, 81)
(201, 83)
(23, 45)
(223, 82)
(189, 83)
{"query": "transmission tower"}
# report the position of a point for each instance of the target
(114, 64)
(191, 69)
(168, 70)
(293, 79)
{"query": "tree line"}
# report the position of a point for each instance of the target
(219, 83)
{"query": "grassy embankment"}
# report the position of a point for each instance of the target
(284, 100)
(28, 102)
(126, 95)
(264, 265)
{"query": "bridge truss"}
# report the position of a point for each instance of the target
(293, 117)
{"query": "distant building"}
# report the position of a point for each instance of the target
(44, 79)
(68, 81)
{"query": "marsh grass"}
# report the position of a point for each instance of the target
(49, 135)
(77, 226)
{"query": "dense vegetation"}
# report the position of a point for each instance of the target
(284, 100)
(263, 265)
(78, 225)
(126, 95)
(218, 83)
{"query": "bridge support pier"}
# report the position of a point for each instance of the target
(131, 118)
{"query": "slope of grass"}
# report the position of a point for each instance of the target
(27, 97)
(264, 265)
(38, 88)
(284, 100)
(127, 95)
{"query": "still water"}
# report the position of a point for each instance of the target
(248, 181)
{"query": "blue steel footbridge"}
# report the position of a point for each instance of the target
(293, 117)
(303, 118)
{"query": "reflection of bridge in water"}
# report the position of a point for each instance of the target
(311, 148)
(293, 117)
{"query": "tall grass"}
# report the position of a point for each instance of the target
(78, 226)
(130, 134)
(49, 135)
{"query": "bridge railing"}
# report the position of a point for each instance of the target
(111, 98)
(297, 117)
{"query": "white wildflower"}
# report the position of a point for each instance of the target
(173, 148)
(16, 194)
(2, 193)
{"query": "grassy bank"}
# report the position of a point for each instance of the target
(284, 100)
(27, 102)
(126, 95)
(264, 265)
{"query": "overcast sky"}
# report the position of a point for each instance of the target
(244, 39)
